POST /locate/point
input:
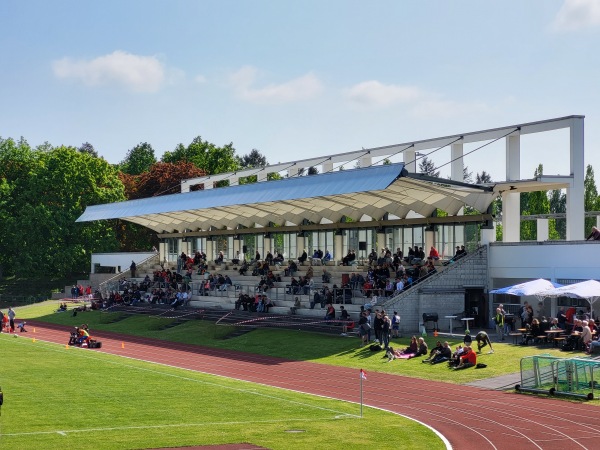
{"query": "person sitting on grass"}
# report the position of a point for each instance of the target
(21, 327)
(412, 348)
(444, 353)
(483, 339)
(433, 352)
(422, 349)
(467, 359)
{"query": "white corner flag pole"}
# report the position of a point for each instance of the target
(362, 376)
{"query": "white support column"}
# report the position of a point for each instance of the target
(409, 161)
(338, 247)
(236, 247)
(575, 194)
(457, 165)
(597, 223)
(327, 167)
(511, 202)
(299, 245)
(543, 233)
(268, 245)
(365, 161)
(261, 176)
(162, 251)
(429, 240)
(380, 242)
(210, 250)
(208, 184)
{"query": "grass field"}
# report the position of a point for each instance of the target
(68, 398)
(296, 345)
(58, 398)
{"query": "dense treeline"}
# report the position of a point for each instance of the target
(44, 190)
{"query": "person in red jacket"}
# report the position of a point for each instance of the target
(433, 253)
(467, 359)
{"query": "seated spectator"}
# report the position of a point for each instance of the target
(308, 286)
(433, 253)
(291, 269)
(278, 259)
(442, 354)
(220, 258)
(594, 235)
(330, 313)
(586, 336)
(296, 307)
(326, 257)
(266, 303)
(303, 257)
(438, 346)
(293, 287)
(422, 349)
(244, 268)
(467, 359)
(257, 257)
(349, 258)
(326, 277)
(412, 348)
(269, 259)
(345, 320)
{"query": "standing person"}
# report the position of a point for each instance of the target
(378, 325)
(524, 315)
(396, 325)
(385, 331)
(483, 339)
(11, 319)
(499, 321)
(133, 269)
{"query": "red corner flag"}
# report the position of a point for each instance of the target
(363, 375)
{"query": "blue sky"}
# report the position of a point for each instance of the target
(299, 79)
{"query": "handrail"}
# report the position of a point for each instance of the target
(103, 286)
(406, 292)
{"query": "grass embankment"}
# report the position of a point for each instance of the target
(296, 345)
(58, 398)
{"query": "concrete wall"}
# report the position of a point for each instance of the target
(443, 293)
(122, 260)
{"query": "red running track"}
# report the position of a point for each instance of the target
(468, 417)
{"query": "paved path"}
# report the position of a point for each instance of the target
(469, 417)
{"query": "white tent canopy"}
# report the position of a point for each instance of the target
(538, 288)
(590, 290)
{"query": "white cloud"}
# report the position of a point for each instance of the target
(133, 72)
(577, 14)
(440, 108)
(243, 81)
(415, 101)
(376, 94)
(200, 79)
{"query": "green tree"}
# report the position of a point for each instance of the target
(558, 205)
(48, 191)
(252, 160)
(590, 197)
(206, 156)
(138, 159)
(533, 203)
(88, 148)
(427, 167)
(483, 177)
